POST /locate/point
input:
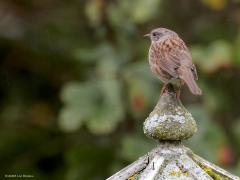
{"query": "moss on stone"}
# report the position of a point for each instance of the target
(175, 173)
(212, 173)
(170, 120)
(134, 177)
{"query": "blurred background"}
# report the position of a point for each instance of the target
(75, 85)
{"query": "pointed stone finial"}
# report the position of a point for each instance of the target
(170, 120)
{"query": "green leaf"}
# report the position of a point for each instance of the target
(138, 11)
(217, 55)
(93, 11)
(79, 100)
(110, 111)
(85, 54)
(79, 94)
(70, 119)
(142, 11)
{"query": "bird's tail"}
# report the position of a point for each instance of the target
(187, 76)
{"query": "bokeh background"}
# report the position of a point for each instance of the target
(75, 86)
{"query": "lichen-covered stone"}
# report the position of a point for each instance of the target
(169, 120)
(171, 160)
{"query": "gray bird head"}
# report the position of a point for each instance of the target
(160, 33)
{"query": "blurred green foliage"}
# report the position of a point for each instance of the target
(76, 87)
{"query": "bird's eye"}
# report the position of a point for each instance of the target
(157, 34)
(154, 34)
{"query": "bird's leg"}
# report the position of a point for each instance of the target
(171, 89)
(164, 88)
(178, 92)
(168, 88)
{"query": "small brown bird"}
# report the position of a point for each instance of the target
(171, 61)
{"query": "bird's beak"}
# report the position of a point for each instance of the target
(146, 35)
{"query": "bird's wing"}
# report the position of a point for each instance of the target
(174, 54)
(194, 71)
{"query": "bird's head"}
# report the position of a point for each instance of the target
(159, 34)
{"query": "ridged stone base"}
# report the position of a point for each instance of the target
(172, 161)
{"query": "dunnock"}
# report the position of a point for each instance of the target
(171, 61)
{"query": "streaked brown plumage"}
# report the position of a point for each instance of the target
(171, 61)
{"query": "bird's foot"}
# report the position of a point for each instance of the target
(171, 89)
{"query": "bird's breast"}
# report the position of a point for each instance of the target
(155, 58)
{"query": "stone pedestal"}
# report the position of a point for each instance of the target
(170, 123)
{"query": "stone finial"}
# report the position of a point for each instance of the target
(169, 120)
(170, 123)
